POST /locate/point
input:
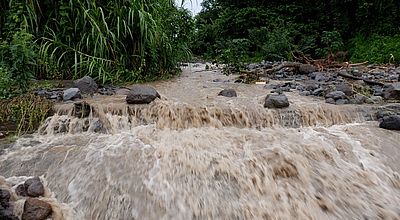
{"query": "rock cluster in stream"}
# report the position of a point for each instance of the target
(32, 190)
(371, 84)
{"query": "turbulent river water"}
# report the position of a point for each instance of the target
(195, 155)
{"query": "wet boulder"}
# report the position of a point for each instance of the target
(228, 93)
(86, 85)
(32, 187)
(4, 198)
(391, 122)
(35, 209)
(7, 214)
(391, 91)
(140, 94)
(276, 101)
(71, 94)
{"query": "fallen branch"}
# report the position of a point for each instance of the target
(367, 81)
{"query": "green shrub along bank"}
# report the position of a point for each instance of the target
(254, 30)
(112, 41)
(376, 49)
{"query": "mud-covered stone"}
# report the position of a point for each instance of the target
(35, 209)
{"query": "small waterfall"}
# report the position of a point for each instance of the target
(97, 117)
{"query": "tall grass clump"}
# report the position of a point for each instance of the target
(113, 41)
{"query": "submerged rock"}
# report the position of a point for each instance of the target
(71, 94)
(391, 122)
(35, 209)
(276, 101)
(86, 85)
(140, 94)
(228, 93)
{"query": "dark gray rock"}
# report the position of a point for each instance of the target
(311, 86)
(336, 95)
(71, 94)
(342, 101)
(228, 93)
(318, 92)
(4, 198)
(391, 91)
(380, 114)
(305, 93)
(32, 187)
(87, 85)
(35, 209)
(35, 187)
(346, 88)
(7, 214)
(360, 99)
(391, 122)
(276, 101)
(307, 69)
(140, 94)
(330, 101)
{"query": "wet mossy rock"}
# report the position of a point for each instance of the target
(140, 94)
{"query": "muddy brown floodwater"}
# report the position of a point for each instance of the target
(195, 155)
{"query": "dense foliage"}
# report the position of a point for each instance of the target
(280, 29)
(113, 41)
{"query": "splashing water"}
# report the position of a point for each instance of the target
(199, 156)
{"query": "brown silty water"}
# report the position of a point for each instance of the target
(195, 155)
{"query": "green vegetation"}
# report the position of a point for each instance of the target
(112, 41)
(24, 113)
(254, 30)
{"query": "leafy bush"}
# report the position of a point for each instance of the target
(5, 84)
(375, 49)
(17, 63)
(331, 42)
